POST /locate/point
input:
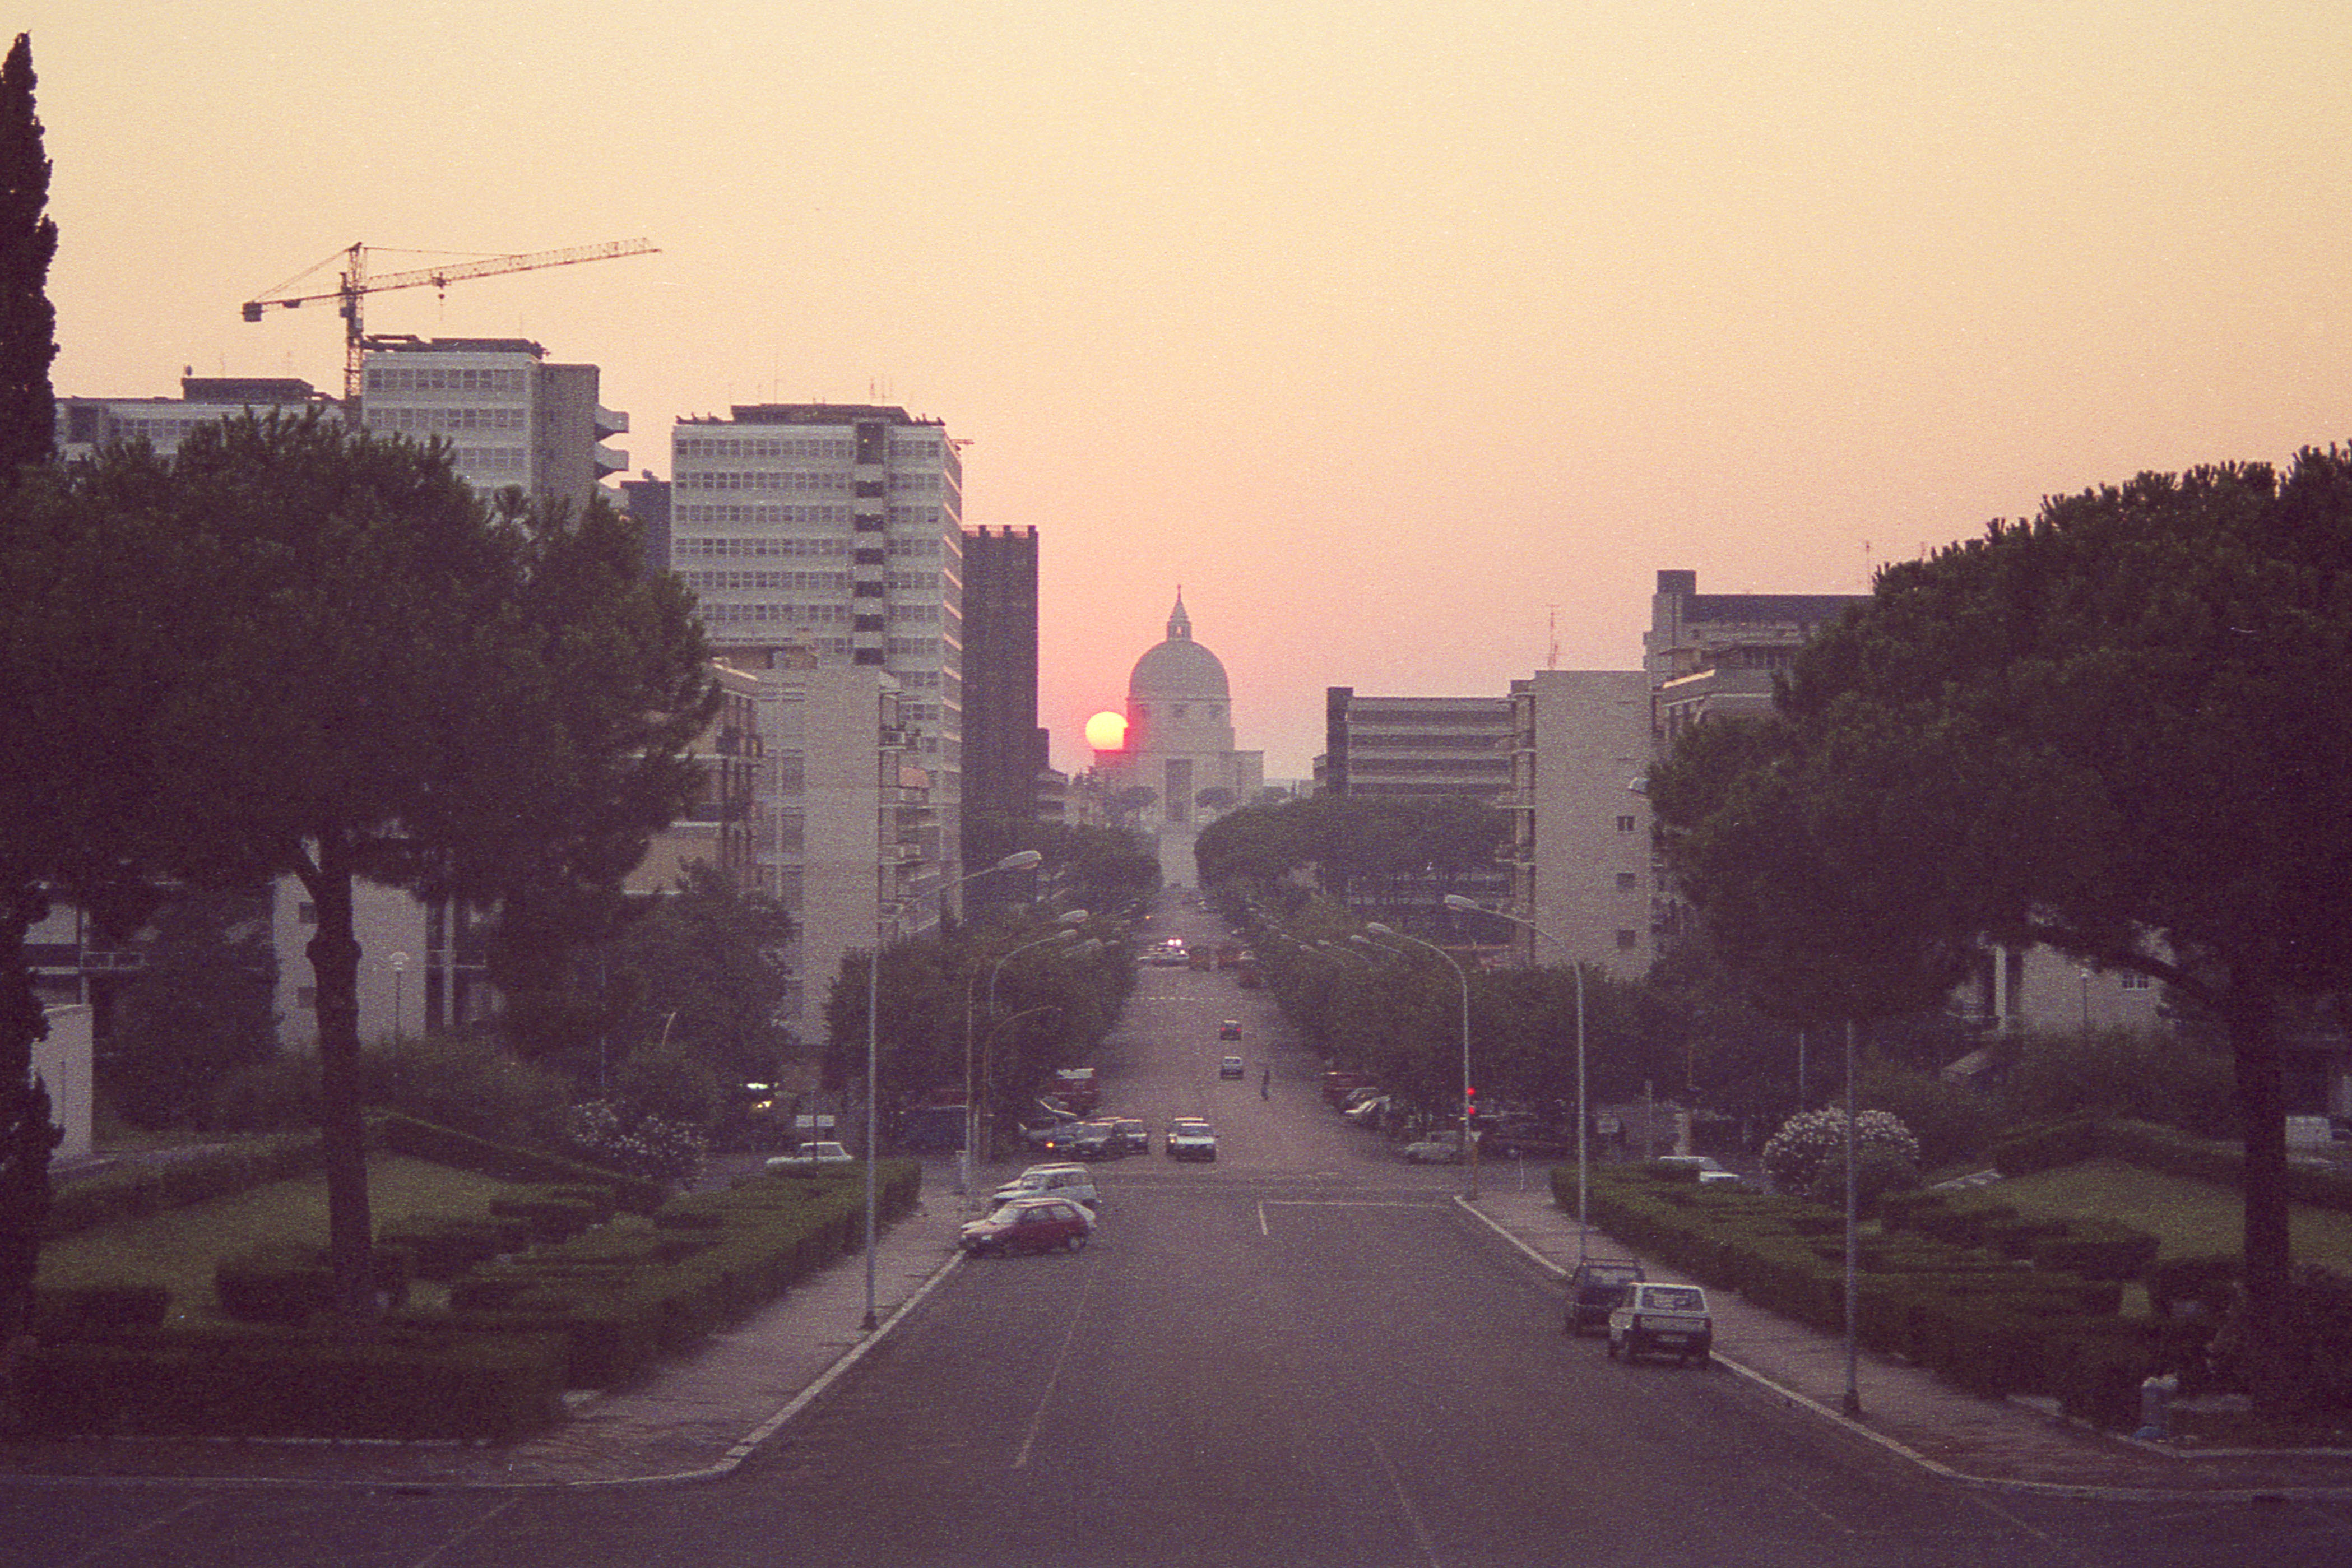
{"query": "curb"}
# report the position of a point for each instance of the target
(1936, 1466)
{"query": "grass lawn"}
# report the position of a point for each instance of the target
(179, 1249)
(2190, 1217)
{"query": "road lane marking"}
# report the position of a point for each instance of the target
(1061, 1357)
(1404, 1505)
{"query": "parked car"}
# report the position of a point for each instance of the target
(1367, 1112)
(1232, 1067)
(1191, 1139)
(1168, 954)
(1437, 1149)
(1073, 1182)
(1087, 1140)
(1709, 1171)
(1231, 1029)
(1029, 1225)
(1596, 1290)
(1336, 1085)
(1134, 1137)
(1662, 1319)
(812, 1157)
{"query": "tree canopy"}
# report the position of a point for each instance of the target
(2123, 729)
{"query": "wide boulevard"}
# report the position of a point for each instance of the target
(1303, 1354)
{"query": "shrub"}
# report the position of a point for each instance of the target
(61, 1312)
(602, 1132)
(1951, 1122)
(133, 1189)
(1878, 1169)
(2162, 1077)
(448, 1080)
(288, 1282)
(1794, 1155)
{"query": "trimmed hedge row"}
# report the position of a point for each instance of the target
(1990, 1325)
(280, 1382)
(2164, 1149)
(447, 1146)
(617, 1298)
(135, 1191)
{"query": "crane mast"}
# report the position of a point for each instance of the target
(355, 285)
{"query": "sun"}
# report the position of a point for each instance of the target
(1106, 732)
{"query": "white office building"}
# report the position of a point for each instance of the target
(511, 418)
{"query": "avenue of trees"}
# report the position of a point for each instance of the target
(1351, 844)
(2122, 730)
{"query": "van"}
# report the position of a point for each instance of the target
(1074, 1182)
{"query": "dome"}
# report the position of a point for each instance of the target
(1179, 668)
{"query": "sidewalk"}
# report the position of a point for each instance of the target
(1909, 1412)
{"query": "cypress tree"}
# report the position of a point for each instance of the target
(28, 242)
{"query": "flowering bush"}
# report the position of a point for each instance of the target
(1811, 1140)
(647, 1145)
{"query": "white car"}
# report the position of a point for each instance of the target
(812, 1156)
(1191, 1139)
(1437, 1149)
(1057, 1181)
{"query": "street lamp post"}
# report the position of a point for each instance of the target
(1016, 861)
(1469, 1135)
(1583, 1114)
(975, 1124)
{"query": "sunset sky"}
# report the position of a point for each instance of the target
(1390, 329)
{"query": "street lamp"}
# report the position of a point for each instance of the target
(1583, 1116)
(974, 1094)
(1015, 861)
(1469, 1137)
(399, 961)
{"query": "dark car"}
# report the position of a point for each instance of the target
(1029, 1225)
(1087, 1140)
(1596, 1290)
(1134, 1137)
(1231, 1029)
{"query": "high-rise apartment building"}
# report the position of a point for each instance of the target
(512, 419)
(1005, 753)
(837, 529)
(1583, 865)
(1416, 748)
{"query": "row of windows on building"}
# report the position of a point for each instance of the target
(752, 516)
(794, 479)
(704, 547)
(436, 420)
(427, 376)
(491, 459)
(746, 579)
(731, 447)
(1179, 710)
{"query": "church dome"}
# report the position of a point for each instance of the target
(1179, 670)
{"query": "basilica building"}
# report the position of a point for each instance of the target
(1179, 746)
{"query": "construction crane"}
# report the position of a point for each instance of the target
(356, 285)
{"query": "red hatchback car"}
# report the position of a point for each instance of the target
(1030, 1224)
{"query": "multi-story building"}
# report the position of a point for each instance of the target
(1418, 748)
(1712, 655)
(511, 418)
(1004, 751)
(845, 817)
(86, 424)
(837, 529)
(721, 826)
(1581, 865)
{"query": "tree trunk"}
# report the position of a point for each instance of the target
(2253, 1039)
(334, 955)
(27, 1136)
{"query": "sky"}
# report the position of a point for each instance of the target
(1410, 338)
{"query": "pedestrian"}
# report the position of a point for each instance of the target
(1265, 1081)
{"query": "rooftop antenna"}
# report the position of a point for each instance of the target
(1552, 661)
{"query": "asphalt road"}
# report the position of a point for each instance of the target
(1301, 1355)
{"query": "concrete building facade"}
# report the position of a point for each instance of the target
(1004, 751)
(836, 529)
(510, 418)
(1583, 865)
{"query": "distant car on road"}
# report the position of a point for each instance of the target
(1231, 1029)
(1191, 1139)
(1232, 1067)
(1075, 1183)
(1662, 1319)
(812, 1157)
(1168, 954)
(1029, 1225)
(1133, 1136)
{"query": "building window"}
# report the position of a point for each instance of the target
(1624, 825)
(1625, 881)
(1627, 942)
(2130, 981)
(1178, 711)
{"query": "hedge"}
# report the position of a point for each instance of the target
(95, 1311)
(280, 1382)
(464, 1151)
(137, 1190)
